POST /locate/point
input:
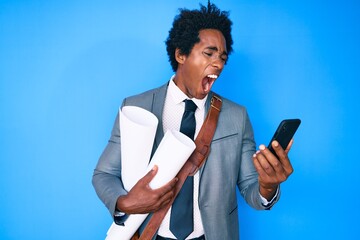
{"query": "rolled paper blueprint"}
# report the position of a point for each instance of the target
(173, 151)
(138, 129)
(117, 232)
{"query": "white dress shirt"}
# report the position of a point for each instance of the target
(173, 110)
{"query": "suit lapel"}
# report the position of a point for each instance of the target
(158, 102)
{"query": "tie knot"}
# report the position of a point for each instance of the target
(190, 105)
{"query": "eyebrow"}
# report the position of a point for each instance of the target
(216, 49)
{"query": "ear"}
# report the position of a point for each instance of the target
(180, 58)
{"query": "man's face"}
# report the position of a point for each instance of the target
(198, 71)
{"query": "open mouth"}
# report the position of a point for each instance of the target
(208, 81)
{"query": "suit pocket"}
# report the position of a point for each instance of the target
(221, 138)
(234, 210)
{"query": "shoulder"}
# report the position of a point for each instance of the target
(231, 107)
(233, 114)
(233, 120)
(146, 98)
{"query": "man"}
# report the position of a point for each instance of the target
(198, 46)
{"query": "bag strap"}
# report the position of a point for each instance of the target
(192, 165)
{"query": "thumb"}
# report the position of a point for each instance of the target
(289, 145)
(151, 174)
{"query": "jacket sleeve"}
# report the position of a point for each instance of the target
(248, 177)
(107, 174)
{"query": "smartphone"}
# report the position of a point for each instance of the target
(284, 133)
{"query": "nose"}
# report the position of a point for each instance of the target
(218, 63)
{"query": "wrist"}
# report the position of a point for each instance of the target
(121, 204)
(268, 192)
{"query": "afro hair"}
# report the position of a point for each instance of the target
(184, 33)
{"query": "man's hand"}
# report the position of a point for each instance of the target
(272, 170)
(143, 199)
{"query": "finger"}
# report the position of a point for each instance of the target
(257, 165)
(166, 193)
(271, 158)
(265, 180)
(168, 187)
(283, 157)
(281, 164)
(262, 165)
(280, 152)
(165, 199)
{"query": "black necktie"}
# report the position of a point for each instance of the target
(181, 220)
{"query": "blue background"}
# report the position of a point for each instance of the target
(65, 67)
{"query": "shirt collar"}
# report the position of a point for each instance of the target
(179, 96)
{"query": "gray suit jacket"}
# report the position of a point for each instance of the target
(228, 166)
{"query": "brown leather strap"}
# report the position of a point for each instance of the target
(192, 165)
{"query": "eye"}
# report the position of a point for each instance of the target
(223, 57)
(209, 54)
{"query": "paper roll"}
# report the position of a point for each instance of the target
(138, 129)
(117, 232)
(173, 151)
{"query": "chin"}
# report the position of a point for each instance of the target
(200, 96)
